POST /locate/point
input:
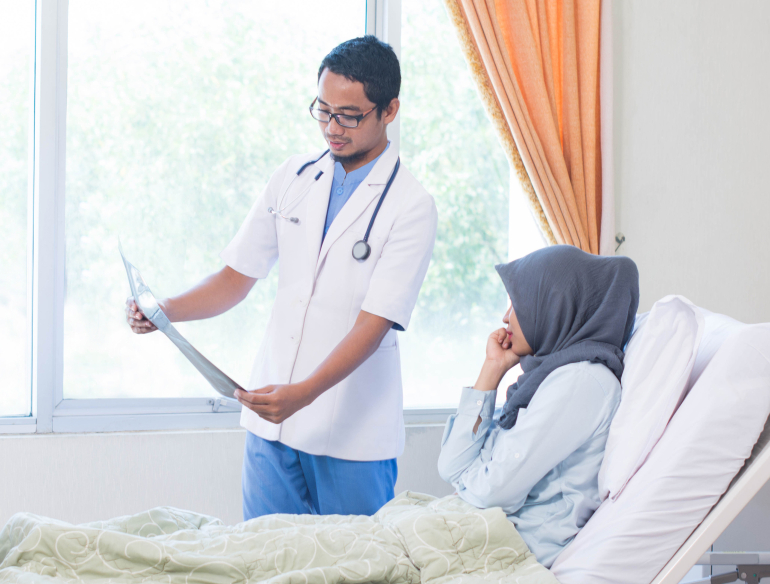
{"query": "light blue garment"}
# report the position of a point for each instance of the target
(544, 471)
(344, 185)
(279, 479)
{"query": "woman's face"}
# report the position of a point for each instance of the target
(519, 344)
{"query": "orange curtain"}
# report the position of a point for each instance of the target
(536, 63)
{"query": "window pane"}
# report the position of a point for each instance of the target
(178, 112)
(17, 51)
(450, 145)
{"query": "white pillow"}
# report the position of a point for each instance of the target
(658, 361)
(631, 538)
(717, 328)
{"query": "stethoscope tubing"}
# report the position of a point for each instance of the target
(311, 163)
(361, 249)
(284, 208)
(382, 198)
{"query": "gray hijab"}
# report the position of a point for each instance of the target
(572, 306)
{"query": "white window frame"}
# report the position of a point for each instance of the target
(50, 412)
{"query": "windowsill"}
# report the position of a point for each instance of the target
(55, 435)
(181, 422)
(18, 425)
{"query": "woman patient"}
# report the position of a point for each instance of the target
(571, 315)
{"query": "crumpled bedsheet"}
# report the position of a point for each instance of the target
(413, 539)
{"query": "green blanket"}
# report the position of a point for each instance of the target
(413, 539)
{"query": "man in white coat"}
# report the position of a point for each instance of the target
(324, 418)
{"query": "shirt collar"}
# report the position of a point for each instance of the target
(359, 174)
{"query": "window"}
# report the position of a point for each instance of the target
(17, 49)
(158, 123)
(450, 145)
(174, 125)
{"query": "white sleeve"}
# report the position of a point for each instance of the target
(564, 413)
(254, 249)
(400, 271)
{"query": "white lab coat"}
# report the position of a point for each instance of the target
(322, 289)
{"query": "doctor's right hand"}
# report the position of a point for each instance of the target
(136, 319)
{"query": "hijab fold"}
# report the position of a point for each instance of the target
(572, 306)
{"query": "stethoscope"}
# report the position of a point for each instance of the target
(361, 248)
(281, 206)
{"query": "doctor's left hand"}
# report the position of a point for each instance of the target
(275, 403)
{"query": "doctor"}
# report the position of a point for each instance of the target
(354, 232)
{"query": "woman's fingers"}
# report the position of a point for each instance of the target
(502, 338)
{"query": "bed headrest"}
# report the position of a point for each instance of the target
(717, 327)
(721, 423)
(668, 351)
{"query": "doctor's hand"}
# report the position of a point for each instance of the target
(275, 403)
(136, 319)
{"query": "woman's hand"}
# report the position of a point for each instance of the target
(500, 358)
(499, 350)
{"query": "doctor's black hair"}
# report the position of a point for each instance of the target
(369, 61)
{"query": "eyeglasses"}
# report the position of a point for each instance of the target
(343, 120)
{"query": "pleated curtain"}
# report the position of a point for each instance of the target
(537, 66)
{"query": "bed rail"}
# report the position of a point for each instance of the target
(751, 567)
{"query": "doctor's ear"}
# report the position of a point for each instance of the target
(389, 113)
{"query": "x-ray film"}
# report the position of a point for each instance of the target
(149, 306)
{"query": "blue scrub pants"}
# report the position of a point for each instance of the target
(280, 479)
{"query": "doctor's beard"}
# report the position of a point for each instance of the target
(350, 158)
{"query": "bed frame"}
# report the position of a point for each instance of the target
(751, 566)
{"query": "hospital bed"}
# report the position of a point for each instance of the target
(710, 458)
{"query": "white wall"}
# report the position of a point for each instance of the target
(691, 150)
(86, 477)
(691, 165)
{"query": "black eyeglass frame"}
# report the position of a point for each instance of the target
(336, 117)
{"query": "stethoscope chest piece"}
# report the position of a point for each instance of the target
(361, 250)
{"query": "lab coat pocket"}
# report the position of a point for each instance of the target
(389, 342)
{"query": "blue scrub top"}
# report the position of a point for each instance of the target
(344, 185)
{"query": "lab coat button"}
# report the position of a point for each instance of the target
(479, 402)
(516, 455)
